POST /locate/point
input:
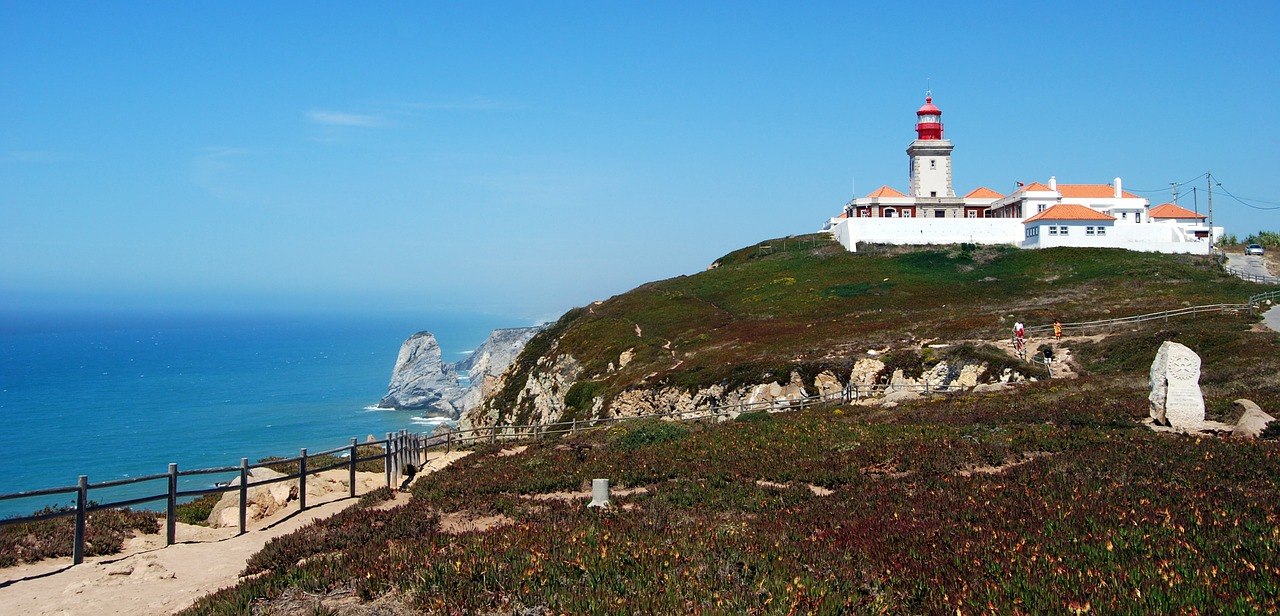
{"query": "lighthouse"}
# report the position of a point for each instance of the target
(930, 155)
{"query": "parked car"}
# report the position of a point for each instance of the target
(1253, 249)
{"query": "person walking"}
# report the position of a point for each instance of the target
(1057, 330)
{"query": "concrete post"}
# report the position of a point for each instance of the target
(599, 493)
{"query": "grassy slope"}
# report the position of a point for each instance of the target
(1092, 511)
(808, 303)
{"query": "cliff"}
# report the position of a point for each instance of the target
(801, 316)
(421, 380)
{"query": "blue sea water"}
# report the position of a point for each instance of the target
(116, 396)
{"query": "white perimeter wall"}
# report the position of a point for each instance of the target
(928, 231)
(918, 231)
(1141, 237)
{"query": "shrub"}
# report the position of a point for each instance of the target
(197, 511)
(647, 432)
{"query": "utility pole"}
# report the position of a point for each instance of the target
(1209, 177)
(1175, 192)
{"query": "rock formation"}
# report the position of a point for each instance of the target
(1176, 400)
(485, 366)
(1252, 422)
(421, 380)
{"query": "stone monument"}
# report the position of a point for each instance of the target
(1176, 400)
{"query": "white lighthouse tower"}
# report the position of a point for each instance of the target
(930, 155)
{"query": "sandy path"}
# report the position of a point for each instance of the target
(151, 578)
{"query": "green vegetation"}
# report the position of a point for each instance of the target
(805, 304)
(1045, 498)
(1270, 239)
(105, 533)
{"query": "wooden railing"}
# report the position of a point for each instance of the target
(398, 451)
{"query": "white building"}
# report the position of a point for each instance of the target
(1036, 215)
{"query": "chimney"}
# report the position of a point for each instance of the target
(1053, 182)
(1118, 191)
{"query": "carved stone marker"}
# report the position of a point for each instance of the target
(1175, 388)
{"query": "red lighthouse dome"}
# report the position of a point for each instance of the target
(929, 121)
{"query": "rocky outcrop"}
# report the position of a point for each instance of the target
(542, 397)
(421, 380)
(486, 365)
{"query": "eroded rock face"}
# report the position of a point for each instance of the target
(1176, 399)
(421, 380)
(486, 365)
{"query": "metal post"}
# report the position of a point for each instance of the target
(352, 468)
(302, 480)
(82, 504)
(244, 494)
(171, 515)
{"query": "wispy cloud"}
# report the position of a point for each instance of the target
(338, 118)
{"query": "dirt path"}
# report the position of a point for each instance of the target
(151, 578)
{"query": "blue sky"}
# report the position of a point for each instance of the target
(523, 158)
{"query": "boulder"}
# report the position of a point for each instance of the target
(263, 501)
(1176, 400)
(1252, 422)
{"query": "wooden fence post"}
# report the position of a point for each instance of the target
(302, 480)
(244, 494)
(171, 514)
(386, 459)
(82, 504)
(351, 467)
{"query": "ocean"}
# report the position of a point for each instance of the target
(117, 396)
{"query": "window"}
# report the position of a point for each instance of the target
(906, 213)
(1062, 230)
(1041, 208)
(1124, 216)
(933, 164)
(971, 214)
(1053, 230)
(939, 213)
(1034, 231)
(1088, 230)
(1102, 230)
(1137, 217)
(933, 193)
(865, 213)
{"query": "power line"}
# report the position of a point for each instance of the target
(1242, 200)
(1166, 189)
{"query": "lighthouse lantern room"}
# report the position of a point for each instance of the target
(930, 155)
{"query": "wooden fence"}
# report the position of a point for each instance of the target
(398, 450)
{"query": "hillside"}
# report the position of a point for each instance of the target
(1048, 497)
(805, 305)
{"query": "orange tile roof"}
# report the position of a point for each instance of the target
(885, 191)
(1069, 211)
(983, 192)
(1033, 186)
(1092, 191)
(1169, 210)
